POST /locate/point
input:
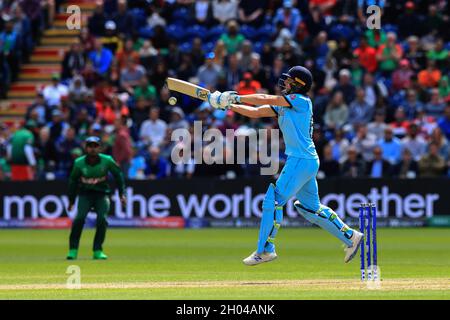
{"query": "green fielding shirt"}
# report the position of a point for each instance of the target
(85, 177)
(19, 140)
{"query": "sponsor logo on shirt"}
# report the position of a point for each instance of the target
(93, 180)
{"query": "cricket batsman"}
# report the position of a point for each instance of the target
(88, 180)
(294, 111)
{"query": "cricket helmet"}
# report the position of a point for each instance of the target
(301, 80)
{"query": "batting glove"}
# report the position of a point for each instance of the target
(232, 96)
(218, 100)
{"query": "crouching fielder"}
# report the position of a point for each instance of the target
(89, 180)
(298, 178)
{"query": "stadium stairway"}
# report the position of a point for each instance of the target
(45, 60)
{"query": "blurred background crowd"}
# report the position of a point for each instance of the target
(381, 97)
(21, 26)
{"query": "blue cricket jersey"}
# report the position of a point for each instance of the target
(296, 124)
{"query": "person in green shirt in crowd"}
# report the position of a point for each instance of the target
(88, 180)
(444, 87)
(375, 37)
(137, 45)
(232, 38)
(21, 154)
(145, 90)
(389, 54)
(357, 72)
(439, 54)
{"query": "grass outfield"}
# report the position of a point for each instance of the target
(206, 264)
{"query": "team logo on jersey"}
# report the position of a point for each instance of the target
(292, 96)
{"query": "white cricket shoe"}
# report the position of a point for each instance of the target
(256, 258)
(350, 252)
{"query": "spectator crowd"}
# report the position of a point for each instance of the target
(381, 96)
(21, 26)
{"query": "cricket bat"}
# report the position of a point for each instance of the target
(187, 88)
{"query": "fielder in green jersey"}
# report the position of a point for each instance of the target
(88, 180)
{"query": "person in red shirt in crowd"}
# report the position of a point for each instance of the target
(90, 76)
(126, 53)
(103, 90)
(429, 77)
(86, 40)
(122, 149)
(248, 85)
(401, 78)
(400, 125)
(302, 33)
(367, 55)
(109, 112)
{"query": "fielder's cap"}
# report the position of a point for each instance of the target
(110, 25)
(210, 55)
(178, 111)
(93, 139)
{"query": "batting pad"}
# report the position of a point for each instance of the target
(327, 219)
(270, 221)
